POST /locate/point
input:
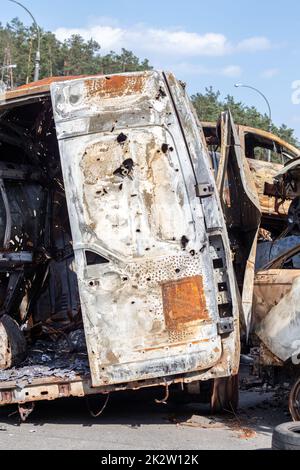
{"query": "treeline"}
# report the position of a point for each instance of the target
(75, 56)
(209, 106)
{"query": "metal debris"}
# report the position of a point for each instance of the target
(164, 401)
(25, 410)
(66, 358)
(99, 413)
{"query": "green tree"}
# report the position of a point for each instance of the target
(209, 106)
(75, 56)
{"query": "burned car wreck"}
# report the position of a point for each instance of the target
(115, 263)
(272, 321)
(276, 319)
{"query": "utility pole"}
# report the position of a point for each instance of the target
(38, 31)
(7, 75)
(8, 69)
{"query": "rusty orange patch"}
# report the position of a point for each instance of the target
(184, 302)
(115, 85)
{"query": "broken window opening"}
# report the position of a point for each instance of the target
(94, 259)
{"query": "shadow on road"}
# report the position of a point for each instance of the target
(258, 413)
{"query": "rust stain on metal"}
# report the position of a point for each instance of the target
(262, 173)
(268, 359)
(6, 397)
(64, 390)
(115, 86)
(34, 88)
(184, 302)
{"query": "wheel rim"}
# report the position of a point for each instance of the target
(294, 403)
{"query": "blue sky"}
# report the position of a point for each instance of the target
(214, 43)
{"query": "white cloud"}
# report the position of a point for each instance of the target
(187, 68)
(163, 42)
(109, 37)
(232, 71)
(254, 44)
(270, 73)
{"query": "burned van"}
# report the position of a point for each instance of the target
(115, 263)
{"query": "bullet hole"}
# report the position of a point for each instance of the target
(177, 271)
(164, 148)
(133, 303)
(121, 187)
(138, 231)
(103, 192)
(147, 249)
(122, 138)
(108, 78)
(125, 169)
(184, 242)
(192, 252)
(161, 93)
(148, 279)
(112, 129)
(134, 195)
(74, 99)
(125, 279)
(171, 149)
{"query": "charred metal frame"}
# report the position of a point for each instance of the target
(215, 245)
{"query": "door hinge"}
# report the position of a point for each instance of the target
(225, 326)
(204, 190)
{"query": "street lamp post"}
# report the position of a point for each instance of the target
(241, 85)
(38, 30)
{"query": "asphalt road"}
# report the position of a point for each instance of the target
(134, 421)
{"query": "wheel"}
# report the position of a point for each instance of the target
(225, 395)
(287, 437)
(294, 403)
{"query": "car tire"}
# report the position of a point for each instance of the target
(294, 402)
(287, 437)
